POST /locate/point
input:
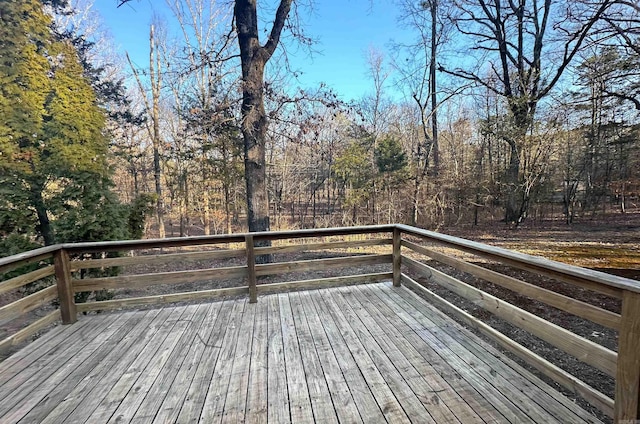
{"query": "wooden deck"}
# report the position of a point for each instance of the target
(353, 354)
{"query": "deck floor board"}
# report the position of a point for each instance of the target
(355, 354)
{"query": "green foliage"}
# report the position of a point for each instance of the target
(353, 166)
(141, 207)
(54, 175)
(88, 211)
(389, 156)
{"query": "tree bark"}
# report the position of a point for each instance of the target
(253, 57)
(44, 225)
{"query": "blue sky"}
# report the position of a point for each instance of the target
(345, 29)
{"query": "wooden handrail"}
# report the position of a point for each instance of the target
(606, 283)
(625, 365)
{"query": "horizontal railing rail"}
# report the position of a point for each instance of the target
(240, 256)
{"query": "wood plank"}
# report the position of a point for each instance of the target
(557, 300)
(600, 282)
(391, 408)
(20, 307)
(213, 409)
(320, 264)
(523, 396)
(445, 374)
(158, 259)
(16, 404)
(235, 403)
(251, 269)
(385, 361)
(306, 247)
(57, 349)
(461, 369)
(24, 279)
(299, 400)
(443, 403)
(557, 374)
(178, 334)
(397, 257)
(581, 348)
(323, 282)
(161, 299)
(29, 330)
(225, 329)
(12, 262)
(538, 391)
(118, 391)
(149, 407)
(277, 392)
(516, 384)
(627, 402)
(144, 280)
(256, 408)
(319, 394)
(38, 348)
(194, 371)
(55, 388)
(343, 400)
(66, 298)
(115, 246)
(86, 395)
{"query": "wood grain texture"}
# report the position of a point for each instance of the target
(367, 353)
(321, 264)
(251, 268)
(161, 298)
(24, 279)
(557, 300)
(20, 307)
(159, 259)
(581, 348)
(29, 330)
(296, 248)
(567, 380)
(12, 262)
(64, 284)
(396, 260)
(144, 280)
(627, 400)
(324, 282)
(600, 282)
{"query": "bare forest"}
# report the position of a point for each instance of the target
(495, 113)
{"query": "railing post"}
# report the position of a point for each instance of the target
(251, 268)
(627, 399)
(68, 310)
(397, 259)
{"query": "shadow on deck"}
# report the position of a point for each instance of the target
(371, 353)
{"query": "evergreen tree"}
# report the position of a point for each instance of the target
(54, 174)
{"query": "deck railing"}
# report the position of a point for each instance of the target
(62, 263)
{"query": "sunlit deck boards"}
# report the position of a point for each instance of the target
(355, 354)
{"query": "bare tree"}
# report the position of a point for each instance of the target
(254, 56)
(527, 46)
(153, 110)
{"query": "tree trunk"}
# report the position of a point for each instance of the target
(44, 225)
(254, 131)
(253, 58)
(155, 94)
(512, 208)
(433, 85)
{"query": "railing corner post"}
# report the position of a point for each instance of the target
(396, 257)
(251, 268)
(62, 268)
(627, 396)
